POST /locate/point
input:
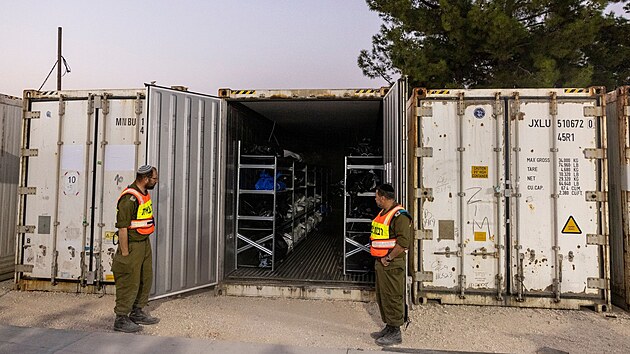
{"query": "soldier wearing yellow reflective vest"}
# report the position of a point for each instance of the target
(390, 237)
(132, 265)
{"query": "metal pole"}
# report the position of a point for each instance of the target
(58, 58)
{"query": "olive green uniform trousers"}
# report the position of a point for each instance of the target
(390, 290)
(133, 275)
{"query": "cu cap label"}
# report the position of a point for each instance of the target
(479, 113)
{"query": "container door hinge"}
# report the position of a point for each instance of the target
(424, 152)
(424, 193)
(595, 153)
(24, 268)
(30, 152)
(425, 111)
(593, 111)
(138, 102)
(424, 234)
(27, 190)
(25, 229)
(423, 276)
(596, 283)
(32, 115)
(594, 239)
(596, 196)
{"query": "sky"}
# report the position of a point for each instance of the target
(204, 45)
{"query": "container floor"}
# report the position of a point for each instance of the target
(318, 258)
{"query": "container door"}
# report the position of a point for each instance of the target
(184, 145)
(395, 139)
(460, 151)
(67, 189)
(558, 221)
(122, 136)
(10, 132)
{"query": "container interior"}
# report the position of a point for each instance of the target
(323, 132)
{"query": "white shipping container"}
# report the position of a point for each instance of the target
(511, 197)
(10, 130)
(618, 119)
(83, 149)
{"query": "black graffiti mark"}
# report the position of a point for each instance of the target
(478, 226)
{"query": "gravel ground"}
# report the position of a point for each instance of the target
(332, 324)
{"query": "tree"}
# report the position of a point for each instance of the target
(499, 43)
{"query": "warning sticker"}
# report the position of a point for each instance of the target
(480, 236)
(571, 227)
(109, 277)
(479, 171)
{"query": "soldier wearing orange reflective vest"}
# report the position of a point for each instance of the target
(132, 265)
(389, 239)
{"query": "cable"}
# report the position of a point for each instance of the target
(66, 70)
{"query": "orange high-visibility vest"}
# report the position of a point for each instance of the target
(381, 241)
(143, 223)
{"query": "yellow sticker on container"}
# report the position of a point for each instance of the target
(109, 235)
(480, 236)
(571, 227)
(479, 172)
(109, 277)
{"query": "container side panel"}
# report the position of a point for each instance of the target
(569, 174)
(10, 129)
(618, 117)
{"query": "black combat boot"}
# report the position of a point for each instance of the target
(140, 317)
(390, 338)
(124, 324)
(382, 332)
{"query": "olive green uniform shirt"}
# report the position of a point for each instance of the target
(127, 210)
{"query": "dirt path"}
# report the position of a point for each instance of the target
(333, 324)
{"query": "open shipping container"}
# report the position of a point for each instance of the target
(507, 188)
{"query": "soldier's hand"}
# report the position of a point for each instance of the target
(384, 261)
(125, 254)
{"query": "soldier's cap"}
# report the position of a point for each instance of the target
(144, 169)
(386, 188)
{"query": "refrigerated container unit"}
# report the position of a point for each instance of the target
(81, 149)
(10, 130)
(618, 118)
(510, 192)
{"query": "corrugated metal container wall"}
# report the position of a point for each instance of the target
(511, 197)
(11, 122)
(395, 139)
(618, 118)
(91, 143)
(186, 145)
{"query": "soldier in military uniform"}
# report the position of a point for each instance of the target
(132, 264)
(390, 237)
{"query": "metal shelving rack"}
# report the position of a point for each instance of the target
(356, 163)
(263, 223)
(270, 224)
